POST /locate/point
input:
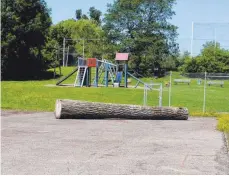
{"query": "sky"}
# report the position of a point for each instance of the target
(202, 13)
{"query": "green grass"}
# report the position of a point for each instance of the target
(223, 125)
(34, 95)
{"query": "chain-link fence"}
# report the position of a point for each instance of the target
(200, 92)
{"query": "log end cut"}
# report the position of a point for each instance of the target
(58, 109)
(182, 113)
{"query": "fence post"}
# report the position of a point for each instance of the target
(204, 102)
(160, 96)
(170, 86)
(145, 94)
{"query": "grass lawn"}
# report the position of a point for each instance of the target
(223, 125)
(34, 95)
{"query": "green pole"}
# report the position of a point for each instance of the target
(106, 75)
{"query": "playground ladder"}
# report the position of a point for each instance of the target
(80, 76)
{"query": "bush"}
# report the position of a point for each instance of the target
(223, 123)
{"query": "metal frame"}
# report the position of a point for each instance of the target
(214, 28)
(77, 39)
(139, 81)
(160, 89)
(107, 67)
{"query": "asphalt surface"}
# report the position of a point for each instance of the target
(37, 143)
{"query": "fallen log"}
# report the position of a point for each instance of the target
(75, 109)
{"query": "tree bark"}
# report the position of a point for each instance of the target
(74, 109)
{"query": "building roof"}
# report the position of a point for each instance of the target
(122, 56)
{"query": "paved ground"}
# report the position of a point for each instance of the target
(37, 143)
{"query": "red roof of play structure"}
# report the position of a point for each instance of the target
(121, 56)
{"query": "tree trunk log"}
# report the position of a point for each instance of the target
(74, 109)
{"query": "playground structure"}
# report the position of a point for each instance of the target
(93, 72)
(65, 48)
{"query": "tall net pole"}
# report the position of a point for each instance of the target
(83, 48)
(63, 51)
(215, 42)
(204, 101)
(192, 39)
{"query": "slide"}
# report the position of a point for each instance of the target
(139, 81)
(136, 73)
(66, 77)
(118, 77)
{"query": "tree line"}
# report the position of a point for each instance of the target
(30, 42)
(213, 59)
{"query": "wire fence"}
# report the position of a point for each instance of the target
(199, 92)
(208, 92)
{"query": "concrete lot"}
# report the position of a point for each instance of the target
(37, 143)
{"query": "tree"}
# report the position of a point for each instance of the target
(78, 14)
(95, 14)
(140, 27)
(85, 17)
(25, 24)
(212, 59)
(80, 29)
(181, 59)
